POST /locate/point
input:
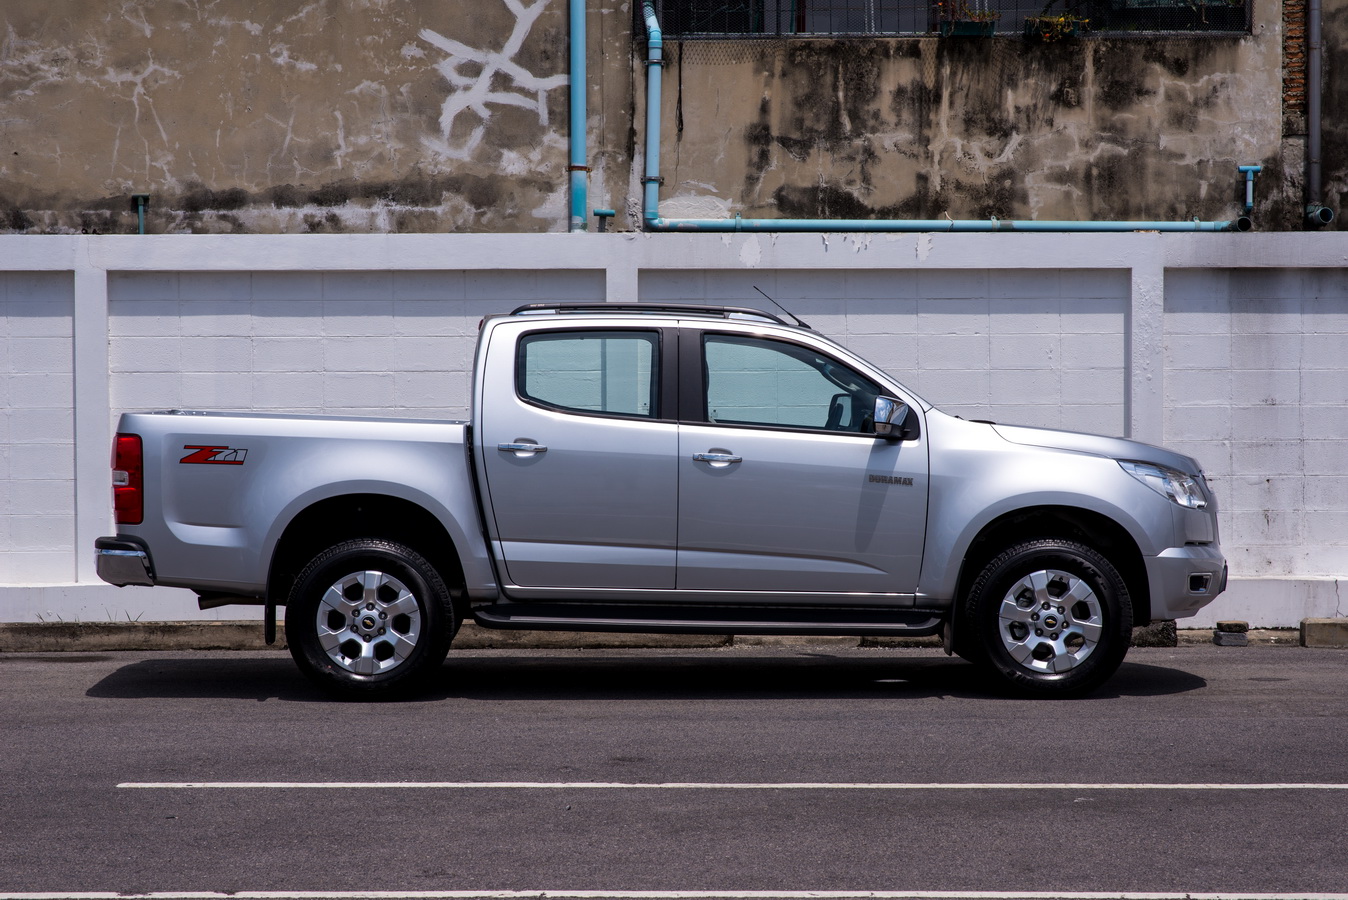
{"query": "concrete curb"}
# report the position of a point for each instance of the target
(1329, 633)
(88, 637)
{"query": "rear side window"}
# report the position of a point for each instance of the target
(595, 372)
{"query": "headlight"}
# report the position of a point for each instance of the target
(1181, 488)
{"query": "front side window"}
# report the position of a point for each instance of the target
(596, 372)
(755, 381)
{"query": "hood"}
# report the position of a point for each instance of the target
(1097, 445)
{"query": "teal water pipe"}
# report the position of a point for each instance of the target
(655, 61)
(578, 77)
(141, 201)
(654, 222)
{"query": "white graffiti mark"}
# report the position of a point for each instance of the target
(474, 92)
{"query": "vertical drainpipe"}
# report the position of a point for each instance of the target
(655, 62)
(578, 78)
(1317, 213)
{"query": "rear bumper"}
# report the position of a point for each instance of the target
(1183, 580)
(123, 561)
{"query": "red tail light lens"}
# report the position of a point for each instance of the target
(128, 480)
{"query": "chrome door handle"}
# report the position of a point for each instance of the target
(519, 447)
(717, 457)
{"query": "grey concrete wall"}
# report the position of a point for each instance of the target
(1231, 347)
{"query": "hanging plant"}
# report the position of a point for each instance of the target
(961, 18)
(1047, 29)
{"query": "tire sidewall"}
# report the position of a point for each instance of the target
(417, 575)
(997, 578)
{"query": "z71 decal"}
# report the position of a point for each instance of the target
(214, 456)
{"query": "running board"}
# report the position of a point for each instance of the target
(655, 619)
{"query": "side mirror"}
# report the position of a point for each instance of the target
(890, 414)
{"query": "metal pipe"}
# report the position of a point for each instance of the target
(1249, 173)
(655, 62)
(948, 225)
(1317, 214)
(579, 78)
(141, 201)
(651, 196)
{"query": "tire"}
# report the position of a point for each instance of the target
(1050, 618)
(369, 619)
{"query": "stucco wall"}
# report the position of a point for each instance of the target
(423, 116)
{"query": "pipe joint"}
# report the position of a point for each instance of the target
(1318, 216)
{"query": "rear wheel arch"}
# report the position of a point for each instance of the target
(337, 519)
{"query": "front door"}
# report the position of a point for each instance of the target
(783, 489)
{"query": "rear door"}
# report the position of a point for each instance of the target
(783, 487)
(580, 455)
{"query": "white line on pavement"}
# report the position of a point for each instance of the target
(742, 786)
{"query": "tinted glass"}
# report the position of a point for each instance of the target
(752, 381)
(606, 372)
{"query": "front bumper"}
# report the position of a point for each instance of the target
(1185, 579)
(123, 561)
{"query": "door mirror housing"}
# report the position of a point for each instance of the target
(891, 417)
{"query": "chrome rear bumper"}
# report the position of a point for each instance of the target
(122, 561)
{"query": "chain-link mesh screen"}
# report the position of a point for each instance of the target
(853, 18)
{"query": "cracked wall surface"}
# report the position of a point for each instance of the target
(415, 115)
(928, 128)
(375, 115)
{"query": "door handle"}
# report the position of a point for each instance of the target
(522, 447)
(717, 457)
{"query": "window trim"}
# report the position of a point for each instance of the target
(662, 373)
(693, 378)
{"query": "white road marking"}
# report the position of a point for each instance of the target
(741, 786)
(672, 895)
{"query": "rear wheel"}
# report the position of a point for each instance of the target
(1052, 618)
(369, 618)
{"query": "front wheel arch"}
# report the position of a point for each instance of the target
(1063, 523)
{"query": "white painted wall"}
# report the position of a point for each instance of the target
(1230, 347)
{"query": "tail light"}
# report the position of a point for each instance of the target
(128, 480)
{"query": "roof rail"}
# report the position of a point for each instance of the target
(678, 309)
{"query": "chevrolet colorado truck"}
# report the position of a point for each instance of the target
(666, 468)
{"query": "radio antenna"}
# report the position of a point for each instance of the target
(799, 321)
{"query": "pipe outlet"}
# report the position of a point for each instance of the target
(1318, 216)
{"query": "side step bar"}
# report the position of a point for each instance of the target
(709, 619)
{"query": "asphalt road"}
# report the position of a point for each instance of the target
(717, 728)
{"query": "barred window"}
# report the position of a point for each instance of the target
(713, 19)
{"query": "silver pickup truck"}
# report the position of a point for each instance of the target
(665, 468)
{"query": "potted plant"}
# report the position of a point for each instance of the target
(1048, 27)
(963, 18)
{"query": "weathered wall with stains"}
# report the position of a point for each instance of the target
(330, 115)
(1334, 147)
(451, 115)
(973, 128)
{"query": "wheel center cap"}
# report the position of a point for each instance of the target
(1051, 621)
(368, 623)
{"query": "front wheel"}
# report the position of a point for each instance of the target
(369, 618)
(1052, 618)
